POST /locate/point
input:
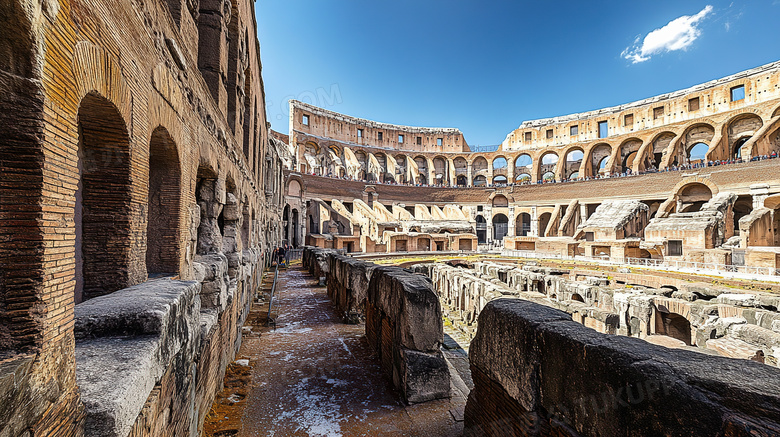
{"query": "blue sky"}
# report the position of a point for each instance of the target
(485, 67)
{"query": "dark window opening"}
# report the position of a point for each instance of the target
(419, 141)
(379, 136)
(549, 133)
(738, 93)
(603, 129)
(675, 248)
(693, 104)
(574, 130)
(658, 112)
(628, 120)
(528, 136)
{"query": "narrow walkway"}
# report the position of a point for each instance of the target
(314, 376)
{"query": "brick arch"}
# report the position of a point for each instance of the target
(680, 150)
(619, 153)
(301, 183)
(95, 71)
(163, 225)
(776, 112)
(103, 200)
(687, 182)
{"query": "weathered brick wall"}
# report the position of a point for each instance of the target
(112, 91)
(536, 372)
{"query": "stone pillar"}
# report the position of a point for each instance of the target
(489, 218)
(534, 222)
(759, 192)
(511, 231)
(583, 212)
(470, 182)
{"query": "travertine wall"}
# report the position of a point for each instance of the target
(138, 148)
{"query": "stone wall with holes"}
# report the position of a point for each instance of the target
(139, 152)
(536, 372)
(710, 319)
(403, 319)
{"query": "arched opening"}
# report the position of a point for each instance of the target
(693, 196)
(441, 171)
(480, 181)
(481, 230)
(480, 164)
(285, 222)
(523, 178)
(462, 181)
(500, 226)
(742, 207)
(209, 233)
(673, 325)
(461, 167)
(577, 298)
(524, 165)
(499, 166)
(697, 153)
(549, 162)
(422, 169)
(573, 163)
(599, 159)
(628, 162)
(738, 152)
(523, 224)
(103, 201)
(660, 144)
(500, 202)
(544, 220)
(162, 225)
(500, 180)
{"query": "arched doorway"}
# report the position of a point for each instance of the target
(544, 220)
(739, 153)
(481, 230)
(697, 153)
(673, 325)
(500, 226)
(523, 224)
(480, 181)
(162, 225)
(462, 181)
(500, 201)
(102, 197)
(295, 227)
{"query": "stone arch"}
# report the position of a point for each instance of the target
(701, 132)
(524, 165)
(479, 165)
(441, 173)
(628, 152)
(573, 158)
(500, 226)
(599, 159)
(548, 163)
(499, 200)
(481, 229)
(523, 224)
(422, 168)
(672, 325)
(739, 129)
(776, 112)
(103, 200)
(163, 206)
(480, 181)
(651, 156)
(544, 221)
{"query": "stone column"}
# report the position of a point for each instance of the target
(511, 231)
(534, 222)
(468, 174)
(759, 192)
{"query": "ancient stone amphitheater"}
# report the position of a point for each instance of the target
(610, 273)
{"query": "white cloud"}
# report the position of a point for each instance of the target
(678, 34)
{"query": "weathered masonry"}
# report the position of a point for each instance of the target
(140, 196)
(402, 319)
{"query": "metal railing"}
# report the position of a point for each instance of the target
(269, 319)
(667, 264)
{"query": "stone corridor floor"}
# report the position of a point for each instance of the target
(315, 376)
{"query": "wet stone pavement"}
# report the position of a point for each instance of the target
(315, 376)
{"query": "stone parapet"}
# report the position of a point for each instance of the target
(528, 363)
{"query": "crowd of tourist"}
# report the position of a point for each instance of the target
(627, 173)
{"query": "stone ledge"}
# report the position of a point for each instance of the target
(127, 340)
